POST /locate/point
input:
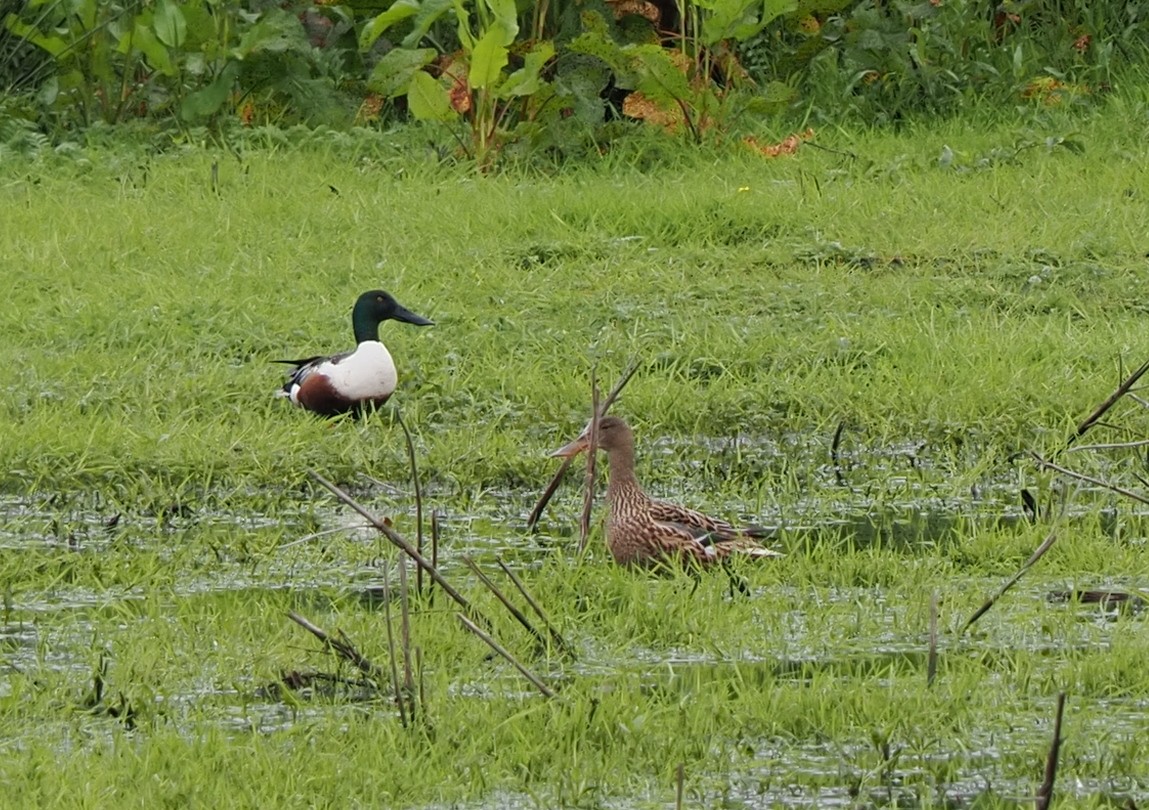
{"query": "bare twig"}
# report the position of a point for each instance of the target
(556, 637)
(835, 457)
(407, 548)
(494, 645)
(553, 486)
(435, 538)
(419, 669)
(1109, 402)
(418, 497)
(408, 692)
(1128, 493)
(1112, 446)
(1046, 544)
(591, 456)
(520, 617)
(317, 535)
(932, 656)
(391, 647)
(341, 646)
(1045, 792)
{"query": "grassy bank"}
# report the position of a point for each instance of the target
(763, 297)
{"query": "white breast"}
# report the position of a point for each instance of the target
(366, 373)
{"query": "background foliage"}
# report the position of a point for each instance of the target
(567, 78)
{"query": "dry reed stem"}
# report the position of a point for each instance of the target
(591, 457)
(553, 486)
(407, 548)
(418, 496)
(391, 646)
(545, 690)
(835, 454)
(932, 656)
(556, 637)
(520, 617)
(405, 637)
(341, 646)
(1046, 544)
(1109, 402)
(1045, 792)
(1049, 465)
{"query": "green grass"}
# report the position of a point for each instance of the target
(947, 317)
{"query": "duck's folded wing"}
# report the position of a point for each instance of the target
(665, 512)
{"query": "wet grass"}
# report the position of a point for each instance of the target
(946, 316)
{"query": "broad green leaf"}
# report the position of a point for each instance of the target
(463, 15)
(401, 10)
(170, 25)
(506, 18)
(741, 19)
(427, 99)
(488, 59)
(392, 75)
(525, 80)
(199, 25)
(53, 45)
(600, 45)
(207, 101)
(581, 79)
(429, 14)
(275, 32)
(661, 79)
(144, 40)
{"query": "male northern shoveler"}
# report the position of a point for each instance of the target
(354, 380)
(643, 531)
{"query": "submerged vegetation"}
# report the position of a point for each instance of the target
(856, 344)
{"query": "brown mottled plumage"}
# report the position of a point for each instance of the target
(643, 531)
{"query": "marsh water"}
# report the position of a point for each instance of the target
(321, 552)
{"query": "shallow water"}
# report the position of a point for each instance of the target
(321, 549)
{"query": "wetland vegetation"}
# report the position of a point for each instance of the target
(941, 299)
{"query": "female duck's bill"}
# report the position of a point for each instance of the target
(356, 380)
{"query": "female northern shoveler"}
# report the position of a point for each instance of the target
(351, 381)
(643, 531)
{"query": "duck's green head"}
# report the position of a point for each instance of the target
(376, 306)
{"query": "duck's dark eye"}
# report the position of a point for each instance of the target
(378, 299)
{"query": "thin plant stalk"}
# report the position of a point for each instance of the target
(407, 548)
(1109, 402)
(1089, 479)
(1045, 546)
(391, 646)
(932, 656)
(555, 635)
(1045, 792)
(405, 637)
(520, 617)
(418, 496)
(545, 690)
(591, 456)
(553, 486)
(341, 646)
